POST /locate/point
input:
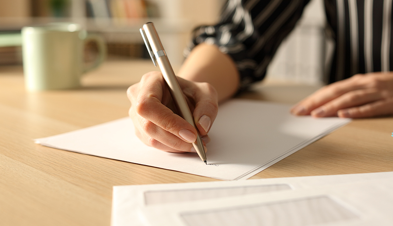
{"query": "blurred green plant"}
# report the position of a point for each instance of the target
(59, 7)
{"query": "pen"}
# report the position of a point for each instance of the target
(158, 56)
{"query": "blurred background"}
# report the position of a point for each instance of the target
(301, 58)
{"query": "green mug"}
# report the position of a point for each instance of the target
(53, 55)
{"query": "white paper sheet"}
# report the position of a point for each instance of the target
(128, 199)
(247, 137)
(360, 203)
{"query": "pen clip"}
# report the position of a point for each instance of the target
(153, 58)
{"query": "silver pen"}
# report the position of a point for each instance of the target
(158, 56)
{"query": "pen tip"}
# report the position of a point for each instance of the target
(205, 162)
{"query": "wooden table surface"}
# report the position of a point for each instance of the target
(45, 186)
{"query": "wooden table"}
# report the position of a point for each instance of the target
(45, 186)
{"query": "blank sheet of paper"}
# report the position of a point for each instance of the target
(247, 137)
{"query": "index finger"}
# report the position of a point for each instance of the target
(206, 103)
(149, 106)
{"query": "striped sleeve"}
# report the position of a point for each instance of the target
(250, 32)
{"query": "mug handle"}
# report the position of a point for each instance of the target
(101, 51)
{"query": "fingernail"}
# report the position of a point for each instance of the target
(318, 112)
(206, 139)
(344, 114)
(187, 135)
(299, 110)
(205, 122)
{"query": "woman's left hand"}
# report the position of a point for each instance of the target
(360, 96)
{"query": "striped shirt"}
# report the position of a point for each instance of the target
(250, 32)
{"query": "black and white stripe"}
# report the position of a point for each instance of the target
(368, 38)
(386, 35)
(250, 31)
(353, 18)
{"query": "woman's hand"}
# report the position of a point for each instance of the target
(360, 96)
(154, 113)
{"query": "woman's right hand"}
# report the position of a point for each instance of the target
(156, 121)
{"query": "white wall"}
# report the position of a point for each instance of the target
(197, 12)
(300, 57)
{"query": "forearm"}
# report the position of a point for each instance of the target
(208, 64)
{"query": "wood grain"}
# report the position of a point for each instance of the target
(45, 186)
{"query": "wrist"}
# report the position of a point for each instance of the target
(206, 63)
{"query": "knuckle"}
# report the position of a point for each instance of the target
(146, 76)
(176, 144)
(209, 88)
(336, 91)
(169, 123)
(330, 89)
(151, 142)
(129, 91)
(333, 91)
(142, 107)
(375, 82)
(150, 75)
(189, 92)
(324, 88)
(352, 97)
(357, 77)
(132, 91)
(366, 109)
(147, 126)
(212, 105)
